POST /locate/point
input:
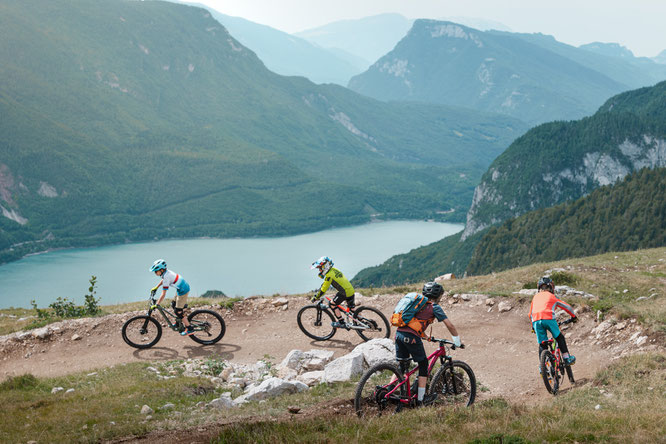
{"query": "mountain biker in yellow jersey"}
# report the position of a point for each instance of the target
(333, 276)
(172, 279)
(408, 341)
(542, 315)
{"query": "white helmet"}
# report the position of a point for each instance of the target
(323, 264)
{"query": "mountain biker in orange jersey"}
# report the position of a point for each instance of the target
(172, 279)
(408, 341)
(333, 276)
(542, 315)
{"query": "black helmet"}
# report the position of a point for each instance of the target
(548, 282)
(433, 290)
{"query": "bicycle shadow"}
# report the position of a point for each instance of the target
(338, 344)
(156, 354)
(225, 351)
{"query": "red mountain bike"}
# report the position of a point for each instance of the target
(383, 385)
(552, 365)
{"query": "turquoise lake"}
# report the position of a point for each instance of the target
(238, 267)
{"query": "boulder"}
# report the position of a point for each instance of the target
(145, 410)
(279, 302)
(41, 333)
(292, 360)
(504, 306)
(490, 302)
(311, 378)
(55, 390)
(376, 351)
(223, 402)
(344, 368)
(272, 387)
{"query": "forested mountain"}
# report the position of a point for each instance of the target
(128, 120)
(551, 164)
(629, 215)
(289, 55)
(528, 76)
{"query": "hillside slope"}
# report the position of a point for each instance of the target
(129, 121)
(551, 164)
(629, 215)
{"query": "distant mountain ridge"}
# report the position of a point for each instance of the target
(444, 62)
(125, 121)
(288, 55)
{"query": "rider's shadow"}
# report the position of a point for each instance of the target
(156, 353)
(224, 351)
(334, 343)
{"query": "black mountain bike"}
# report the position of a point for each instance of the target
(315, 321)
(144, 331)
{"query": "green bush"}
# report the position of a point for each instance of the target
(21, 382)
(64, 308)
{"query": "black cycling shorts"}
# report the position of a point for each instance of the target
(341, 297)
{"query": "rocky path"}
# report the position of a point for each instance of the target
(500, 348)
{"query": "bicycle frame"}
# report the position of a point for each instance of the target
(432, 360)
(175, 326)
(346, 311)
(551, 344)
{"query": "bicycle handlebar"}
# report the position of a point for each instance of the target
(446, 341)
(568, 321)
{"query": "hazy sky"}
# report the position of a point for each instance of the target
(640, 25)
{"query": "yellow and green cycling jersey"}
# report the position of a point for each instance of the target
(339, 281)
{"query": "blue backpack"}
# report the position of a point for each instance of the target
(407, 307)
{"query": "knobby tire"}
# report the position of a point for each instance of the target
(376, 319)
(307, 317)
(138, 331)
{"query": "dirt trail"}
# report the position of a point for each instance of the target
(500, 348)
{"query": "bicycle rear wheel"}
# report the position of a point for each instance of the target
(551, 376)
(454, 384)
(378, 325)
(371, 392)
(142, 331)
(315, 322)
(208, 325)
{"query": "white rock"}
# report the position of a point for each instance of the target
(145, 410)
(620, 325)
(152, 369)
(465, 297)
(226, 372)
(223, 402)
(280, 302)
(376, 351)
(504, 306)
(300, 386)
(344, 368)
(168, 406)
(69, 391)
(55, 390)
(41, 333)
(270, 388)
(292, 360)
(311, 378)
(490, 302)
(599, 329)
(315, 359)
(75, 337)
(641, 340)
(527, 291)
(597, 407)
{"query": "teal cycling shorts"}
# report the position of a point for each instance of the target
(543, 326)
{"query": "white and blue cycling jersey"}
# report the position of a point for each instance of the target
(173, 279)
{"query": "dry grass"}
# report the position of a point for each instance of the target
(631, 395)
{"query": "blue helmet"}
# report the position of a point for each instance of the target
(159, 264)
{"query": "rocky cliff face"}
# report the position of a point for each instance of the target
(496, 200)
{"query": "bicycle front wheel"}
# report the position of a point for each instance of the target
(454, 384)
(316, 322)
(551, 377)
(208, 326)
(142, 331)
(372, 393)
(570, 374)
(377, 326)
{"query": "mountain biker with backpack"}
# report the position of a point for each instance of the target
(413, 314)
(172, 279)
(333, 276)
(542, 315)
